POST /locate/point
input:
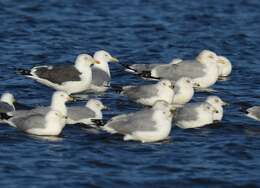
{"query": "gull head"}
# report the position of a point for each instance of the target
(207, 56)
(85, 60)
(224, 66)
(215, 101)
(209, 108)
(165, 107)
(166, 83)
(102, 56)
(185, 81)
(61, 96)
(8, 98)
(95, 104)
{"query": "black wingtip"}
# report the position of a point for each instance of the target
(116, 88)
(23, 71)
(128, 68)
(4, 116)
(98, 122)
(148, 74)
(243, 110)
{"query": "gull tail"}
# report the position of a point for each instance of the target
(25, 72)
(148, 74)
(243, 110)
(99, 123)
(4, 116)
(116, 88)
(128, 68)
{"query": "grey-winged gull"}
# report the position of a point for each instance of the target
(59, 98)
(148, 125)
(218, 104)
(183, 91)
(50, 124)
(194, 115)
(203, 70)
(70, 78)
(92, 110)
(149, 94)
(224, 66)
(100, 72)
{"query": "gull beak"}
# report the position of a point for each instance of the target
(96, 62)
(105, 107)
(172, 111)
(224, 103)
(221, 61)
(70, 98)
(114, 60)
(196, 85)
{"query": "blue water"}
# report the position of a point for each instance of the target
(137, 31)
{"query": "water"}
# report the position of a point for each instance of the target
(54, 32)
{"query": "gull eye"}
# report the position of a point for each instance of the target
(188, 81)
(208, 107)
(216, 100)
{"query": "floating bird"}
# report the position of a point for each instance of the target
(50, 124)
(148, 125)
(194, 115)
(202, 71)
(84, 115)
(224, 66)
(69, 78)
(42, 121)
(218, 104)
(59, 98)
(100, 72)
(149, 94)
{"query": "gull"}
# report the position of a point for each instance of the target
(100, 72)
(149, 94)
(194, 115)
(50, 124)
(69, 78)
(92, 110)
(202, 71)
(148, 125)
(42, 121)
(218, 104)
(59, 98)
